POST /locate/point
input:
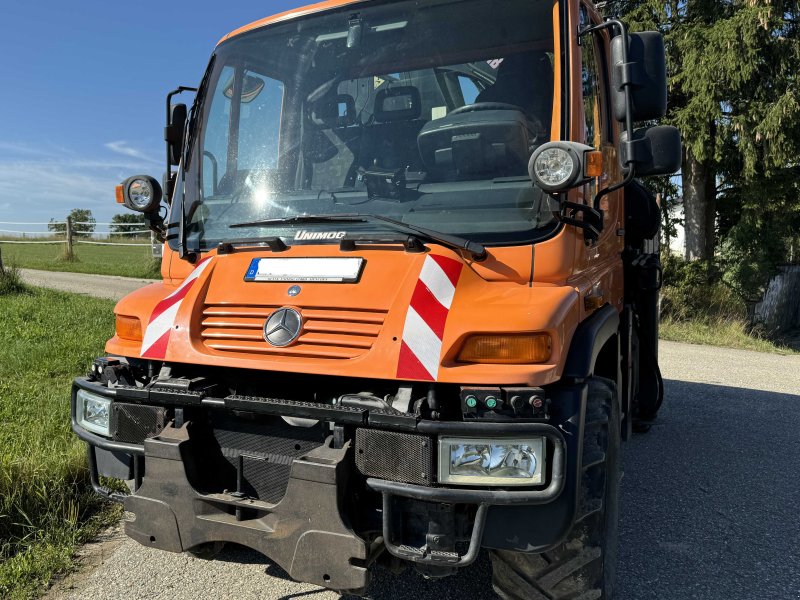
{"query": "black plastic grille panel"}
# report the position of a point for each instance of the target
(264, 451)
(133, 423)
(403, 457)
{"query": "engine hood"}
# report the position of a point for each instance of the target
(405, 316)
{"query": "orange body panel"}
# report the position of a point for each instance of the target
(353, 329)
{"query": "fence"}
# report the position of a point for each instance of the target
(73, 232)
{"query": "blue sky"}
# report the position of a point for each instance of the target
(83, 88)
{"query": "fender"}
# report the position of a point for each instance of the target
(589, 338)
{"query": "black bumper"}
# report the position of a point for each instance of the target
(308, 532)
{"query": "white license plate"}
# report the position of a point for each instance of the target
(333, 270)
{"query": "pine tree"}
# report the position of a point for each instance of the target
(735, 95)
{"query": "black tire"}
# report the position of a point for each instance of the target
(583, 567)
(207, 551)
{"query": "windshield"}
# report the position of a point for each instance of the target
(423, 112)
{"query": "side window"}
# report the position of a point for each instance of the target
(468, 89)
(593, 101)
(216, 135)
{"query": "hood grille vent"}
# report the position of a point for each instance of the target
(333, 333)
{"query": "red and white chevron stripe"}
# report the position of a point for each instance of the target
(421, 346)
(156, 336)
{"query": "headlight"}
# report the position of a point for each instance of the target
(555, 167)
(499, 461)
(141, 193)
(559, 166)
(93, 412)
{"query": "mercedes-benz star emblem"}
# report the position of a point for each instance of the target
(283, 327)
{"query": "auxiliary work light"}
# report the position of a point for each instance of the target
(141, 193)
(93, 412)
(558, 166)
(491, 461)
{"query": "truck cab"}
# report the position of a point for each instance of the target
(409, 299)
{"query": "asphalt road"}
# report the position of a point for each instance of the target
(709, 505)
(100, 286)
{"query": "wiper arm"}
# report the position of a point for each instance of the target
(478, 251)
(303, 219)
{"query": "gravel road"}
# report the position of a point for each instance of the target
(709, 505)
(100, 286)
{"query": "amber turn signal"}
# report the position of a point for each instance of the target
(129, 328)
(507, 349)
(594, 164)
(120, 194)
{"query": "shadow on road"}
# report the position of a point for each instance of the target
(710, 500)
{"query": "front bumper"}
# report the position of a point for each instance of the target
(310, 532)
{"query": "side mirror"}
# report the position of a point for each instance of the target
(140, 193)
(645, 70)
(173, 132)
(559, 166)
(653, 150)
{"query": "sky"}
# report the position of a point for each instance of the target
(82, 91)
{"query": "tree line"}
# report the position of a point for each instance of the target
(734, 92)
(84, 224)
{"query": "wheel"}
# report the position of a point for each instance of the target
(583, 567)
(207, 551)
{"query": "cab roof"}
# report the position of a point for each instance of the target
(291, 14)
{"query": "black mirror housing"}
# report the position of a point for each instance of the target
(646, 70)
(173, 132)
(653, 150)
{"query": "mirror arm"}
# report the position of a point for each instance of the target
(592, 222)
(626, 85)
(180, 89)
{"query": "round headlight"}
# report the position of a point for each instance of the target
(554, 167)
(141, 193)
(558, 166)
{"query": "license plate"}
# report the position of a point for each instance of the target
(330, 270)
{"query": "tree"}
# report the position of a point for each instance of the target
(122, 223)
(734, 92)
(83, 223)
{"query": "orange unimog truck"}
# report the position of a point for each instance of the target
(409, 297)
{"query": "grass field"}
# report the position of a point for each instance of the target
(720, 332)
(128, 261)
(47, 507)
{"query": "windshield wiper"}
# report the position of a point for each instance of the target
(475, 249)
(303, 219)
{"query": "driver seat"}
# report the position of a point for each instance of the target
(525, 80)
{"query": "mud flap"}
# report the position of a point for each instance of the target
(306, 533)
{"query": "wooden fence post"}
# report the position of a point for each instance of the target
(69, 238)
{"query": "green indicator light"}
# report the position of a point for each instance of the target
(471, 401)
(491, 402)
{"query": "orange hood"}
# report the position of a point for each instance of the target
(405, 318)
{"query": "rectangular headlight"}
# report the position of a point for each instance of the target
(491, 461)
(93, 412)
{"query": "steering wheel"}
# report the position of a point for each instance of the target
(480, 106)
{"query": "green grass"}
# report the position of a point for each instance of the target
(128, 261)
(729, 333)
(47, 507)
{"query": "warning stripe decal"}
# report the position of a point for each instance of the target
(162, 319)
(423, 331)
